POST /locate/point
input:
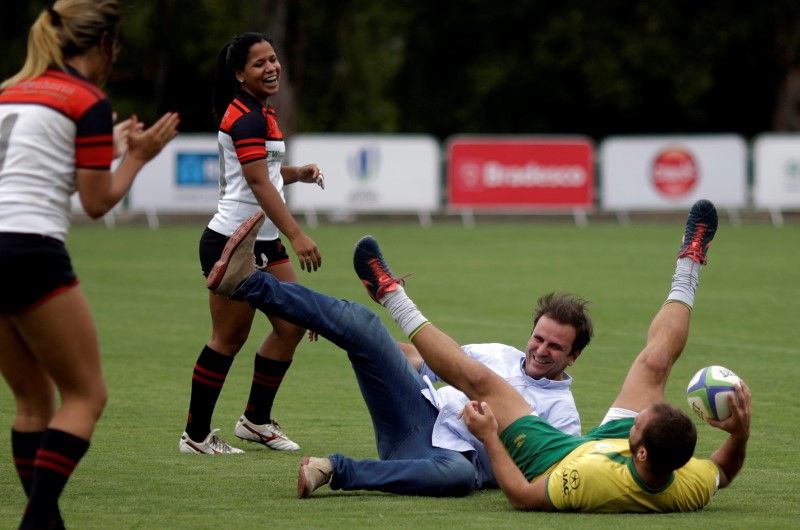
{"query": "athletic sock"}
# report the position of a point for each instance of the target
(685, 282)
(208, 377)
(56, 459)
(404, 311)
(267, 378)
(24, 446)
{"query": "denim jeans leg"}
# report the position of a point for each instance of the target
(402, 418)
(435, 472)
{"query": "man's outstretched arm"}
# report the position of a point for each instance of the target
(522, 494)
(730, 456)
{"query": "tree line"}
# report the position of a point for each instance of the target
(445, 67)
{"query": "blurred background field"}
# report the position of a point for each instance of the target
(479, 285)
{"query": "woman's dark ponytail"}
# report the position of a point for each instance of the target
(232, 57)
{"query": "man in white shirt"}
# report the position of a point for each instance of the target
(427, 449)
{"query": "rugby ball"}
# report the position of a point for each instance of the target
(708, 392)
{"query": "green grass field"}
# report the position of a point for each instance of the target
(479, 285)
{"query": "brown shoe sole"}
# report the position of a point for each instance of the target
(219, 268)
(301, 479)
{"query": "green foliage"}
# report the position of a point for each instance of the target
(479, 284)
(353, 52)
(444, 68)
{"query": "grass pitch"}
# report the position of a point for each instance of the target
(479, 285)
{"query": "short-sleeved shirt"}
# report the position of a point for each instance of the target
(50, 126)
(595, 473)
(248, 132)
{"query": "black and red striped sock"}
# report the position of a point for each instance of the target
(56, 459)
(267, 378)
(24, 446)
(208, 377)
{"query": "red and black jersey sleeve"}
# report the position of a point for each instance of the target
(246, 121)
(80, 101)
(94, 141)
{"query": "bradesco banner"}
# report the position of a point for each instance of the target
(367, 173)
(519, 173)
(776, 171)
(672, 172)
(183, 178)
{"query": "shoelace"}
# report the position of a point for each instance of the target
(697, 238)
(276, 429)
(383, 276)
(379, 271)
(218, 444)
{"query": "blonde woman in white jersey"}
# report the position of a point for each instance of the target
(252, 177)
(56, 137)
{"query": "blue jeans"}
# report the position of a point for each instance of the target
(402, 417)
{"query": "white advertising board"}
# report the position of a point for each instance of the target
(183, 178)
(672, 172)
(776, 171)
(367, 173)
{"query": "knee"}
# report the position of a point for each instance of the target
(87, 400)
(282, 341)
(362, 315)
(97, 400)
(103, 400)
(656, 364)
(228, 344)
(353, 315)
(288, 334)
(34, 412)
(458, 476)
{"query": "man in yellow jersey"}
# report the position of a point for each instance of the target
(639, 459)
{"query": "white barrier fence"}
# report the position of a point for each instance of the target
(368, 174)
(374, 173)
(672, 172)
(776, 173)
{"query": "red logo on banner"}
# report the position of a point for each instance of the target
(521, 173)
(675, 172)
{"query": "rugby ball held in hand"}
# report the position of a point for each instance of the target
(708, 392)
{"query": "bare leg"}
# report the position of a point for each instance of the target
(52, 346)
(230, 325)
(444, 356)
(34, 391)
(647, 377)
(281, 343)
(61, 336)
(669, 330)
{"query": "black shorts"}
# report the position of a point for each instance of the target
(34, 268)
(212, 243)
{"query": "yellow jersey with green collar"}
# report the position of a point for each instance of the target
(599, 477)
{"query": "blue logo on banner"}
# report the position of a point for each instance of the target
(365, 163)
(197, 169)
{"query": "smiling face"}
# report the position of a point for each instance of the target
(261, 75)
(548, 351)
